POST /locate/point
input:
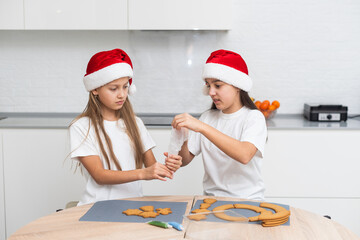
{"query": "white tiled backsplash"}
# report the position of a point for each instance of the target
(296, 51)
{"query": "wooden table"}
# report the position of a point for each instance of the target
(66, 225)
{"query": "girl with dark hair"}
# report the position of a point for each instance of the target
(231, 135)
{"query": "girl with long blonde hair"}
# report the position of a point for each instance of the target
(108, 140)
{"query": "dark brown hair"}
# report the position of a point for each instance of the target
(245, 100)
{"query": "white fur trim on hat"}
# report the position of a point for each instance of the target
(106, 75)
(227, 74)
(132, 89)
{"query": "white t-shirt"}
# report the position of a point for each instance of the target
(87, 146)
(225, 176)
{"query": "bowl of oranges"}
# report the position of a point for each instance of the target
(268, 108)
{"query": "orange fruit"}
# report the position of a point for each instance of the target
(276, 104)
(266, 114)
(257, 104)
(265, 105)
(272, 107)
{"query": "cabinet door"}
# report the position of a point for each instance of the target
(179, 14)
(187, 180)
(312, 163)
(38, 177)
(75, 14)
(345, 211)
(2, 206)
(11, 14)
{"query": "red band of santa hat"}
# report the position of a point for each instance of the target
(228, 67)
(107, 66)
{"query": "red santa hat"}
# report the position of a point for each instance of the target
(107, 66)
(228, 67)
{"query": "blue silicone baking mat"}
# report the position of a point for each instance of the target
(243, 212)
(111, 211)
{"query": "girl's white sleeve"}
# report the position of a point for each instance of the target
(194, 144)
(146, 138)
(82, 143)
(255, 131)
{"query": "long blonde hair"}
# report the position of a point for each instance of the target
(93, 112)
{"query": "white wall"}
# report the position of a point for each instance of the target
(296, 51)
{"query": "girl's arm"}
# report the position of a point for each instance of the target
(153, 170)
(186, 155)
(242, 152)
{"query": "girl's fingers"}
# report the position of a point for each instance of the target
(173, 167)
(173, 164)
(161, 178)
(174, 121)
(178, 120)
(164, 171)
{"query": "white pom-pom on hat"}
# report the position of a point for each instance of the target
(132, 89)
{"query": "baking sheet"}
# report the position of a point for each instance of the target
(111, 211)
(244, 212)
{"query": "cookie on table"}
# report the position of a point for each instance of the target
(200, 210)
(147, 208)
(209, 200)
(148, 214)
(204, 205)
(132, 212)
(164, 211)
(196, 217)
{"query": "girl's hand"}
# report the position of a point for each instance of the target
(187, 121)
(173, 162)
(157, 171)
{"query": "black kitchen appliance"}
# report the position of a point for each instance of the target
(325, 113)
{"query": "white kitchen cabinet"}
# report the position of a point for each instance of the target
(76, 14)
(187, 180)
(179, 14)
(316, 170)
(2, 204)
(312, 163)
(38, 179)
(115, 14)
(11, 14)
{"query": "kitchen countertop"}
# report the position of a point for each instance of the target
(163, 120)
